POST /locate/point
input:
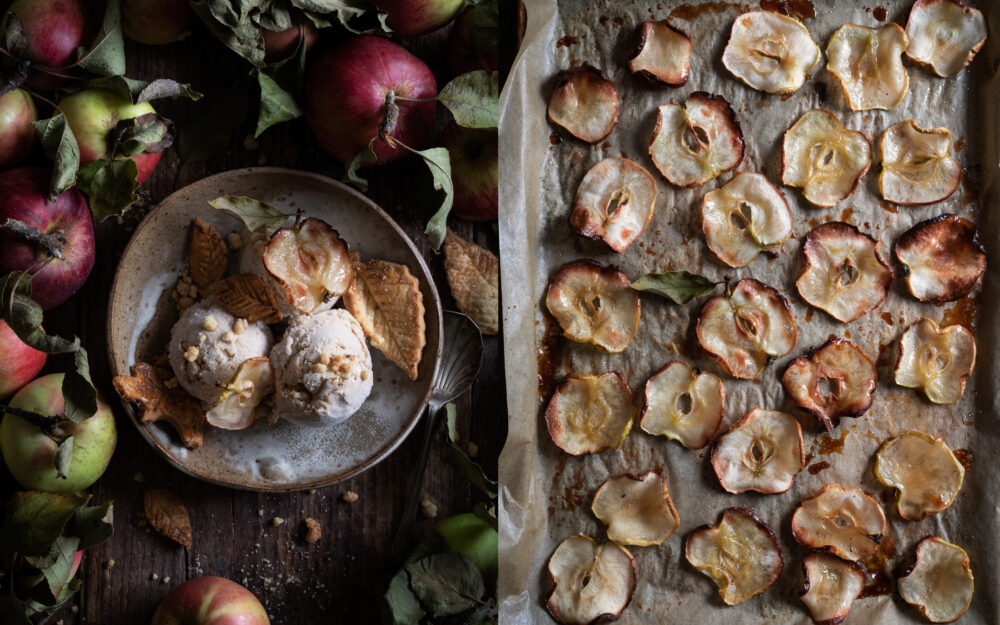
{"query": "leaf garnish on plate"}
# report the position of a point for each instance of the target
(680, 286)
(253, 213)
(246, 296)
(207, 254)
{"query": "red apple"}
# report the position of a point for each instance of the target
(17, 135)
(155, 22)
(93, 114)
(345, 93)
(473, 154)
(24, 196)
(281, 44)
(408, 18)
(210, 601)
(19, 363)
(54, 29)
(464, 54)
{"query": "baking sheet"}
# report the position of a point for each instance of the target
(546, 494)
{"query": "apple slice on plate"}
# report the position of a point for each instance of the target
(664, 54)
(585, 102)
(697, 141)
(923, 469)
(637, 510)
(590, 413)
(762, 452)
(868, 63)
(744, 217)
(936, 360)
(591, 582)
(942, 258)
(683, 404)
(940, 583)
(944, 35)
(310, 263)
(837, 380)
(917, 165)
(594, 304)
(254, 379)
(823, 158)
(770, 52)
(846, 521)
(830, 586)
(614, 202)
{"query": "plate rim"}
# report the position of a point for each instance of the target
(412, 420)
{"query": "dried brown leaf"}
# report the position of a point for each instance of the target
(165, 511)
(208, 254)
(146, 389)
(474, 278)
(247, 296)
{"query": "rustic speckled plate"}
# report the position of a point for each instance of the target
(283, 456)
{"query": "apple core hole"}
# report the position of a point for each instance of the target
(746, 325)
(619, 199)
(827, 388)
(684, 403)
(847, 273)
(840, 521)
(586, 581)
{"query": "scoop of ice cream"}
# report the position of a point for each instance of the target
(322, 368)
(252, 261)
(207, 345)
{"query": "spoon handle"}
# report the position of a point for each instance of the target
(404, 530)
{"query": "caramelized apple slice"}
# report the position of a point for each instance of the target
(944, 34)
(823, 158)
(942, 258)
(762, 453)
(683, 405)
(590, 413)
(594, 304)
(590, 582)
(740, 554)
(937, 360)
(743, 217)
(614, 202)
(868, 63)
(831, 586)
(747, 328)
(837, 380)
(770, 52)
(846, 521)
(940, 584)
(696, 142)
(585, 103)
(637, 510)
(254, 380)
(917, 166)
(310, 262)
(923, 469)
(664, 55)
(844, 273)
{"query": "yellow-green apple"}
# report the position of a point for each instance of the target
(345, 97)
(19, 363)
(24, 197)
(281, 44)
(465, 52)
(473, 154)
(210, 601)
(408, 18)
(17, 135)
(30, 453)
(155, 22)
(54, 30)
(93, 114)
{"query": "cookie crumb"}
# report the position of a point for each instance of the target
(154, 577)
(350, 496)
(313, 530)
(109, 563)
(234, 241)
(276, 521)
(429, 508)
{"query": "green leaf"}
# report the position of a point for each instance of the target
(107, 56)
(125, 88)
(487, 512)
(446, 583)
(210, 129)
(276, 104)
(78, 391)
(679, 286)
(451, 420)
(472, 470)
(64, 457)
(403, 606)
(439, 162)
(32, 520)
(149, 133)
(474, 538)
(24, 316)
(165, 88)
(232, 23)
(57, 569)
(474, 99)
(365, 157)
(60, 147)
(110, 185)
(253, 213)
(343, 10)
(93, 524)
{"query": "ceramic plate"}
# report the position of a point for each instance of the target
(283, 456)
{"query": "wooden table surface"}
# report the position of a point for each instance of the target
(342, 577)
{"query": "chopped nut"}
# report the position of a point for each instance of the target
(429, 508)
(260, 512)
(234, 241)
(350, 496)
(193, 291)
(364, 374)
(154, 577)
(191, 353)
(182, 289)
(240, 326)
(276, 521)
(473, 449)
(109, 563)
(313, 530)
(229, 337)
(317, 367)
(185, 302)
(165, 580)
(324, 359)
(209, 323)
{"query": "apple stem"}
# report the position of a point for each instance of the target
(53, 243)
(45, 423)
(388, 124)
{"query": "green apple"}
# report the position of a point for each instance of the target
(474, 538)
(30, 454)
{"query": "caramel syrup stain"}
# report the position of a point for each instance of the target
(889, 206)
(560, 467)
(568, 40)
(809, 315)
(555, 138)
(818, 466)
(965, 457)
(549, 356)
(572, 496)
(887, 317)
(801, 9)
(846, 214)
(690, 12)
(962, 313)
(880, 13)
(878, 582)
(829, 445)
(959, 144)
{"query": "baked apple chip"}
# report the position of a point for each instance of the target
(594, 304)
(762, 452)
(585, 103)
(310, 262)
(917, 165)
(254, 380)
(744, 217)
(590, 413)
(923, 469)
(747, 328)
(940, 584)
(942, 258)
(937, 360)
(848, 522)
(637, 510)
(697, 141)
(147, 389)
(837, 380)
(664, 55)
(614, 202)
(868, 63)
(591, 582)
(844, 273)
(831, 586)
(683, 404)
(944, 34)
(770, 52)
(740, 554)
(823, 158)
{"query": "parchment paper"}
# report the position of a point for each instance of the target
(546, 494)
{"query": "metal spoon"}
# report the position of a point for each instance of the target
(460, 361)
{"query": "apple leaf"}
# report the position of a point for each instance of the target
(125, 88)
(679, 286)
(253, 213)
(56, 565)
(343, 10)
(439, 162)
(276, 104)
(92, 524)
(234, 24)
(78, 390)
(107, 56)
(210, 129)
(61, 148)
(24, 316)
(472, 469)
(149, 133)
(446, 583)
(110, 185)
(64, 457)
(365, 157)
(32, 520)
(165, 88)
(403, 606)
(474, 99)
(14, 39)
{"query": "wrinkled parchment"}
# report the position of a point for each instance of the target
(546, 494)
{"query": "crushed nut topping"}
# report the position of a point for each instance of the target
(209, 323)
(191, 353)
